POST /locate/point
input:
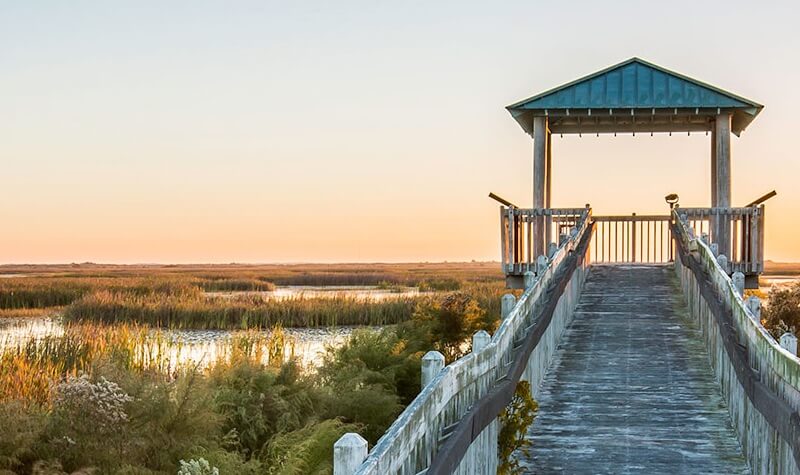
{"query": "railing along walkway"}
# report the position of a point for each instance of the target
(760, 380)
(451, 426)
(631, 239)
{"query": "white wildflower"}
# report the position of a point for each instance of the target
(104, 401)
(197, 467)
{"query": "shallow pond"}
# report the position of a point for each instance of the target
(192, 347)
(307, 291)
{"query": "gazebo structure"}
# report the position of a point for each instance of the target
(635, 96)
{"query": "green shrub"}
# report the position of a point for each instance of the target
(258, 403)
(782, 314)
(21, 428)
(448, 323)
(307, 451)
(514, 422)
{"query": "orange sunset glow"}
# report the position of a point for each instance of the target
(314, 133)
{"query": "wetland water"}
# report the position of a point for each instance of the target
(205, 346)
(305, 291)
(191, 347)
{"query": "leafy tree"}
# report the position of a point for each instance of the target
(782, 314)
(447, 324)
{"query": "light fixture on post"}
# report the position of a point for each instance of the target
(672, 200)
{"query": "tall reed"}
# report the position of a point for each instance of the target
(29, 369)
(240, 312)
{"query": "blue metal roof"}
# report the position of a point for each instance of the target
(636, 85)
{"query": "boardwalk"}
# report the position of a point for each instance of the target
(630, 389)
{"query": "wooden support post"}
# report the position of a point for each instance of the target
(713, 164)
(548, 185)
(722, 150)
(713, 219)
(548, 169)
(539, 181)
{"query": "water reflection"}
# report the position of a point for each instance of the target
(306, 291)
(191, 347)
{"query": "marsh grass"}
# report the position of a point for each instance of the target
(238, 312)
(244, 412)
(29, 312)
(236, 285)
(178, 296)
(30, 367)
(44, 292)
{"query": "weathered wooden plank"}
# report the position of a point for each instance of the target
(617, 399)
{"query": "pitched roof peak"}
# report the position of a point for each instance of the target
(636, 84)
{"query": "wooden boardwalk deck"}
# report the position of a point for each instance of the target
(630, 389)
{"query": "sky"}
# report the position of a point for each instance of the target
(318, 131)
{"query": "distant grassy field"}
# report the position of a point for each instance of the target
(781, 268)
(280, 274)
(175, 296)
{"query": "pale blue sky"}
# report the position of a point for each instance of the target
(354, 131)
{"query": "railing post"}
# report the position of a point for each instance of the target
(562, 238)
(432, 364)
(723, 262)
(348, 453)
(738, 282)
(754, 304)
(507, 303)
(552, 248)
(714, 248)
(529, 279)
(541, 265)
(480, 340)
(789, 343)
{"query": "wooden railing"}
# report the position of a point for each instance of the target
(632, 239)
(742, 229)
(441, 431)
(520, 249)
(760, 381)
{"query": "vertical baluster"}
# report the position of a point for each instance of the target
(661, 241)
(633, 240)
(605, 240)
(670, 242)
(627, 244)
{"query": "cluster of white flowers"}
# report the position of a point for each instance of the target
(103, 400)
(197, 467)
